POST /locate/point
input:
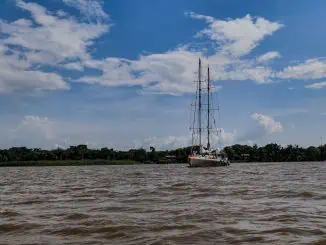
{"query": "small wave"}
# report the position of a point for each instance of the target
(115, 235)
(113, 209)
(9, 213)
(171, 227)
(254, 239)
(136, 174)
(114, 229)
(252, 172)
(305, 194)
(180, 184)
(10, 227)
(320, 242)
(251, 239)
(296, 231)
(200, 195)
(240, 192)
(281, 218)
(4, 228)
(196, 237)
(99, 191)
(293, 194)
(28, 202)
(233, 230)
(77, 216)
(321, 197)
(70, 231)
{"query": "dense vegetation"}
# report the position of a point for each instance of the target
(80, 155)
(275, 153)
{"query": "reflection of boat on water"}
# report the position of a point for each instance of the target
(204, 156)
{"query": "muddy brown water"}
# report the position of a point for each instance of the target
(246, 203)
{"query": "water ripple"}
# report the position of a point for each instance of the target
(247, 203)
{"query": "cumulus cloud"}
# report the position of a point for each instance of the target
(318, 85)
(171, 72)
(59, 40)
(268, 56)
(17, 75)
(172, 142)
(51, 39)
(50, 133)
(40, 129)
(267, 122)
(310, 69)
(237, 37)
(174, 71)
(43, 132)
(265, 125)
(62, 38)
(92, 9)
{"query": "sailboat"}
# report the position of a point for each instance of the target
(204, 156)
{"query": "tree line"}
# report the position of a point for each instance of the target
(275, 153)
(236, 153)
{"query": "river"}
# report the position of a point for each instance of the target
(246, 203)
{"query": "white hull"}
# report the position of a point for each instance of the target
(202, 162)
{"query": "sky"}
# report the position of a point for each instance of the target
(120, 73)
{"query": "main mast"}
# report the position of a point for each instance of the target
(199, 106)
(208, 109)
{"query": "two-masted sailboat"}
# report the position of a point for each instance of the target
(204, 156)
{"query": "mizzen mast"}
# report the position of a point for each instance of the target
(208, 109)
(199, 106)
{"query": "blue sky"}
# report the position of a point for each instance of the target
(119, 73)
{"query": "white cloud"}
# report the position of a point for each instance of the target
(264, 125)
(174, 71)
(237, 37)
(173, 142)
(163, 143)
(171, 72)
(226, 138)
(77, 66)
(59, 37)
(267, 122)
(61, 41)
(92, 9)
(56, 40)
(32, 131)
(43, 132)
(16, 75)
(37, 126)
(318, 85)
(268, 56)
(310, 69)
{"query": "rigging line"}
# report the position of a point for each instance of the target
(217, 127)
(219, 119)
(194, 120)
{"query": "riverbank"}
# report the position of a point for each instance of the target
(66, 163)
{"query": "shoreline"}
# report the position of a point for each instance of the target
(54, 163)
(72, 163)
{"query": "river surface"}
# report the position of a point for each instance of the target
(246, 203)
